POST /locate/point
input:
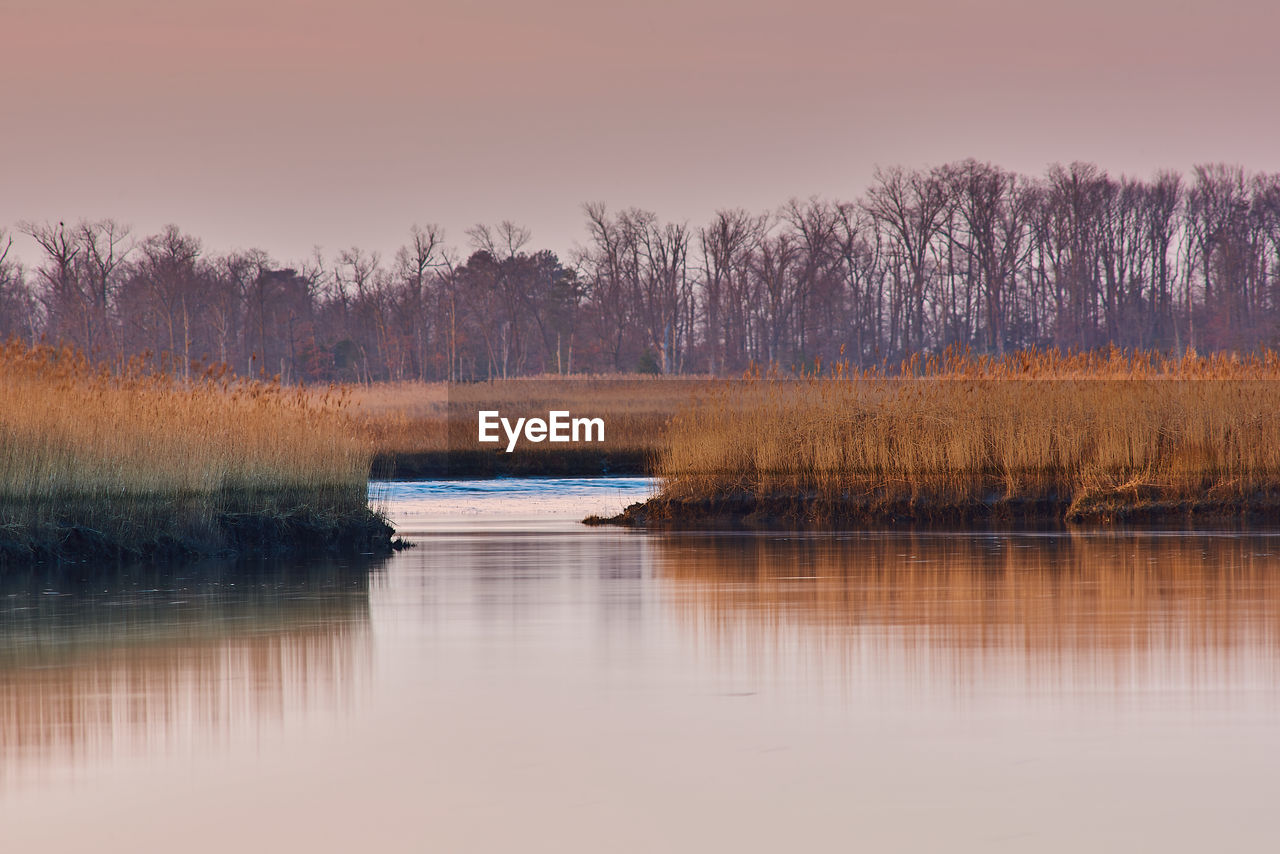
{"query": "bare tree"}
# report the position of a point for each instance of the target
(910, 206)
(605, 272)
(163, 294)
(416, 265)
(727, 246)
(19, 316)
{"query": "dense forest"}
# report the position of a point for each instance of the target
(963, 255)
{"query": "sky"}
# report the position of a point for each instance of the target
(293, 124)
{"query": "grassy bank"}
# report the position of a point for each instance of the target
(139, 464)
(1031, 437)
(428, 430)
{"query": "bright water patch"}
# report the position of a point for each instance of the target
(510, 503)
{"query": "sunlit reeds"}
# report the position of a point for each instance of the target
(407, 419)
(134, 455)
(1075, 435)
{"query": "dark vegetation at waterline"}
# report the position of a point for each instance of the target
(1030, 438)
(163, 599)
(429, 430)
(787, 511)
(190, 532)
(137, 464)
(471, 463)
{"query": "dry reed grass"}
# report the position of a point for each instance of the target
(404, 420)
(1077, 435)
(134, 456)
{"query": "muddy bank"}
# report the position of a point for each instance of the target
(785, 511)
(299, 533)
(459, 464)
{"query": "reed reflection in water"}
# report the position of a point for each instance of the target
(521, 683)
(137, 663)
(1093, 618)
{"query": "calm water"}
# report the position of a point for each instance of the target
(518, 682)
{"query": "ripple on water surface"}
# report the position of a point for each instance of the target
(520, 681)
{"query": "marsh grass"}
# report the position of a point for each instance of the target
(134, 461)
(435, 423)
(1039, 435)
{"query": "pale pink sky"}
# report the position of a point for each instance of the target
(289, 123)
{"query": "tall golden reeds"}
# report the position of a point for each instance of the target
(1107, 434)
(429, 429)
(135, 457)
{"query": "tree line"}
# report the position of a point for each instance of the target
(965, 255)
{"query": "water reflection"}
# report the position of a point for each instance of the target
(545, 685)
(140, 662)
(1090, 616)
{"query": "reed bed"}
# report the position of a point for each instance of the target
(429, 429)
(401, 418)
(134, 461)
(1036, 435)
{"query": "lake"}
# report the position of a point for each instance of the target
(518, 681)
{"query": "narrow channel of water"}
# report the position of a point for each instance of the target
(521, 682)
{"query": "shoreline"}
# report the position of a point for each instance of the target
(298, 533)
(493, 463)
(782, 511)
